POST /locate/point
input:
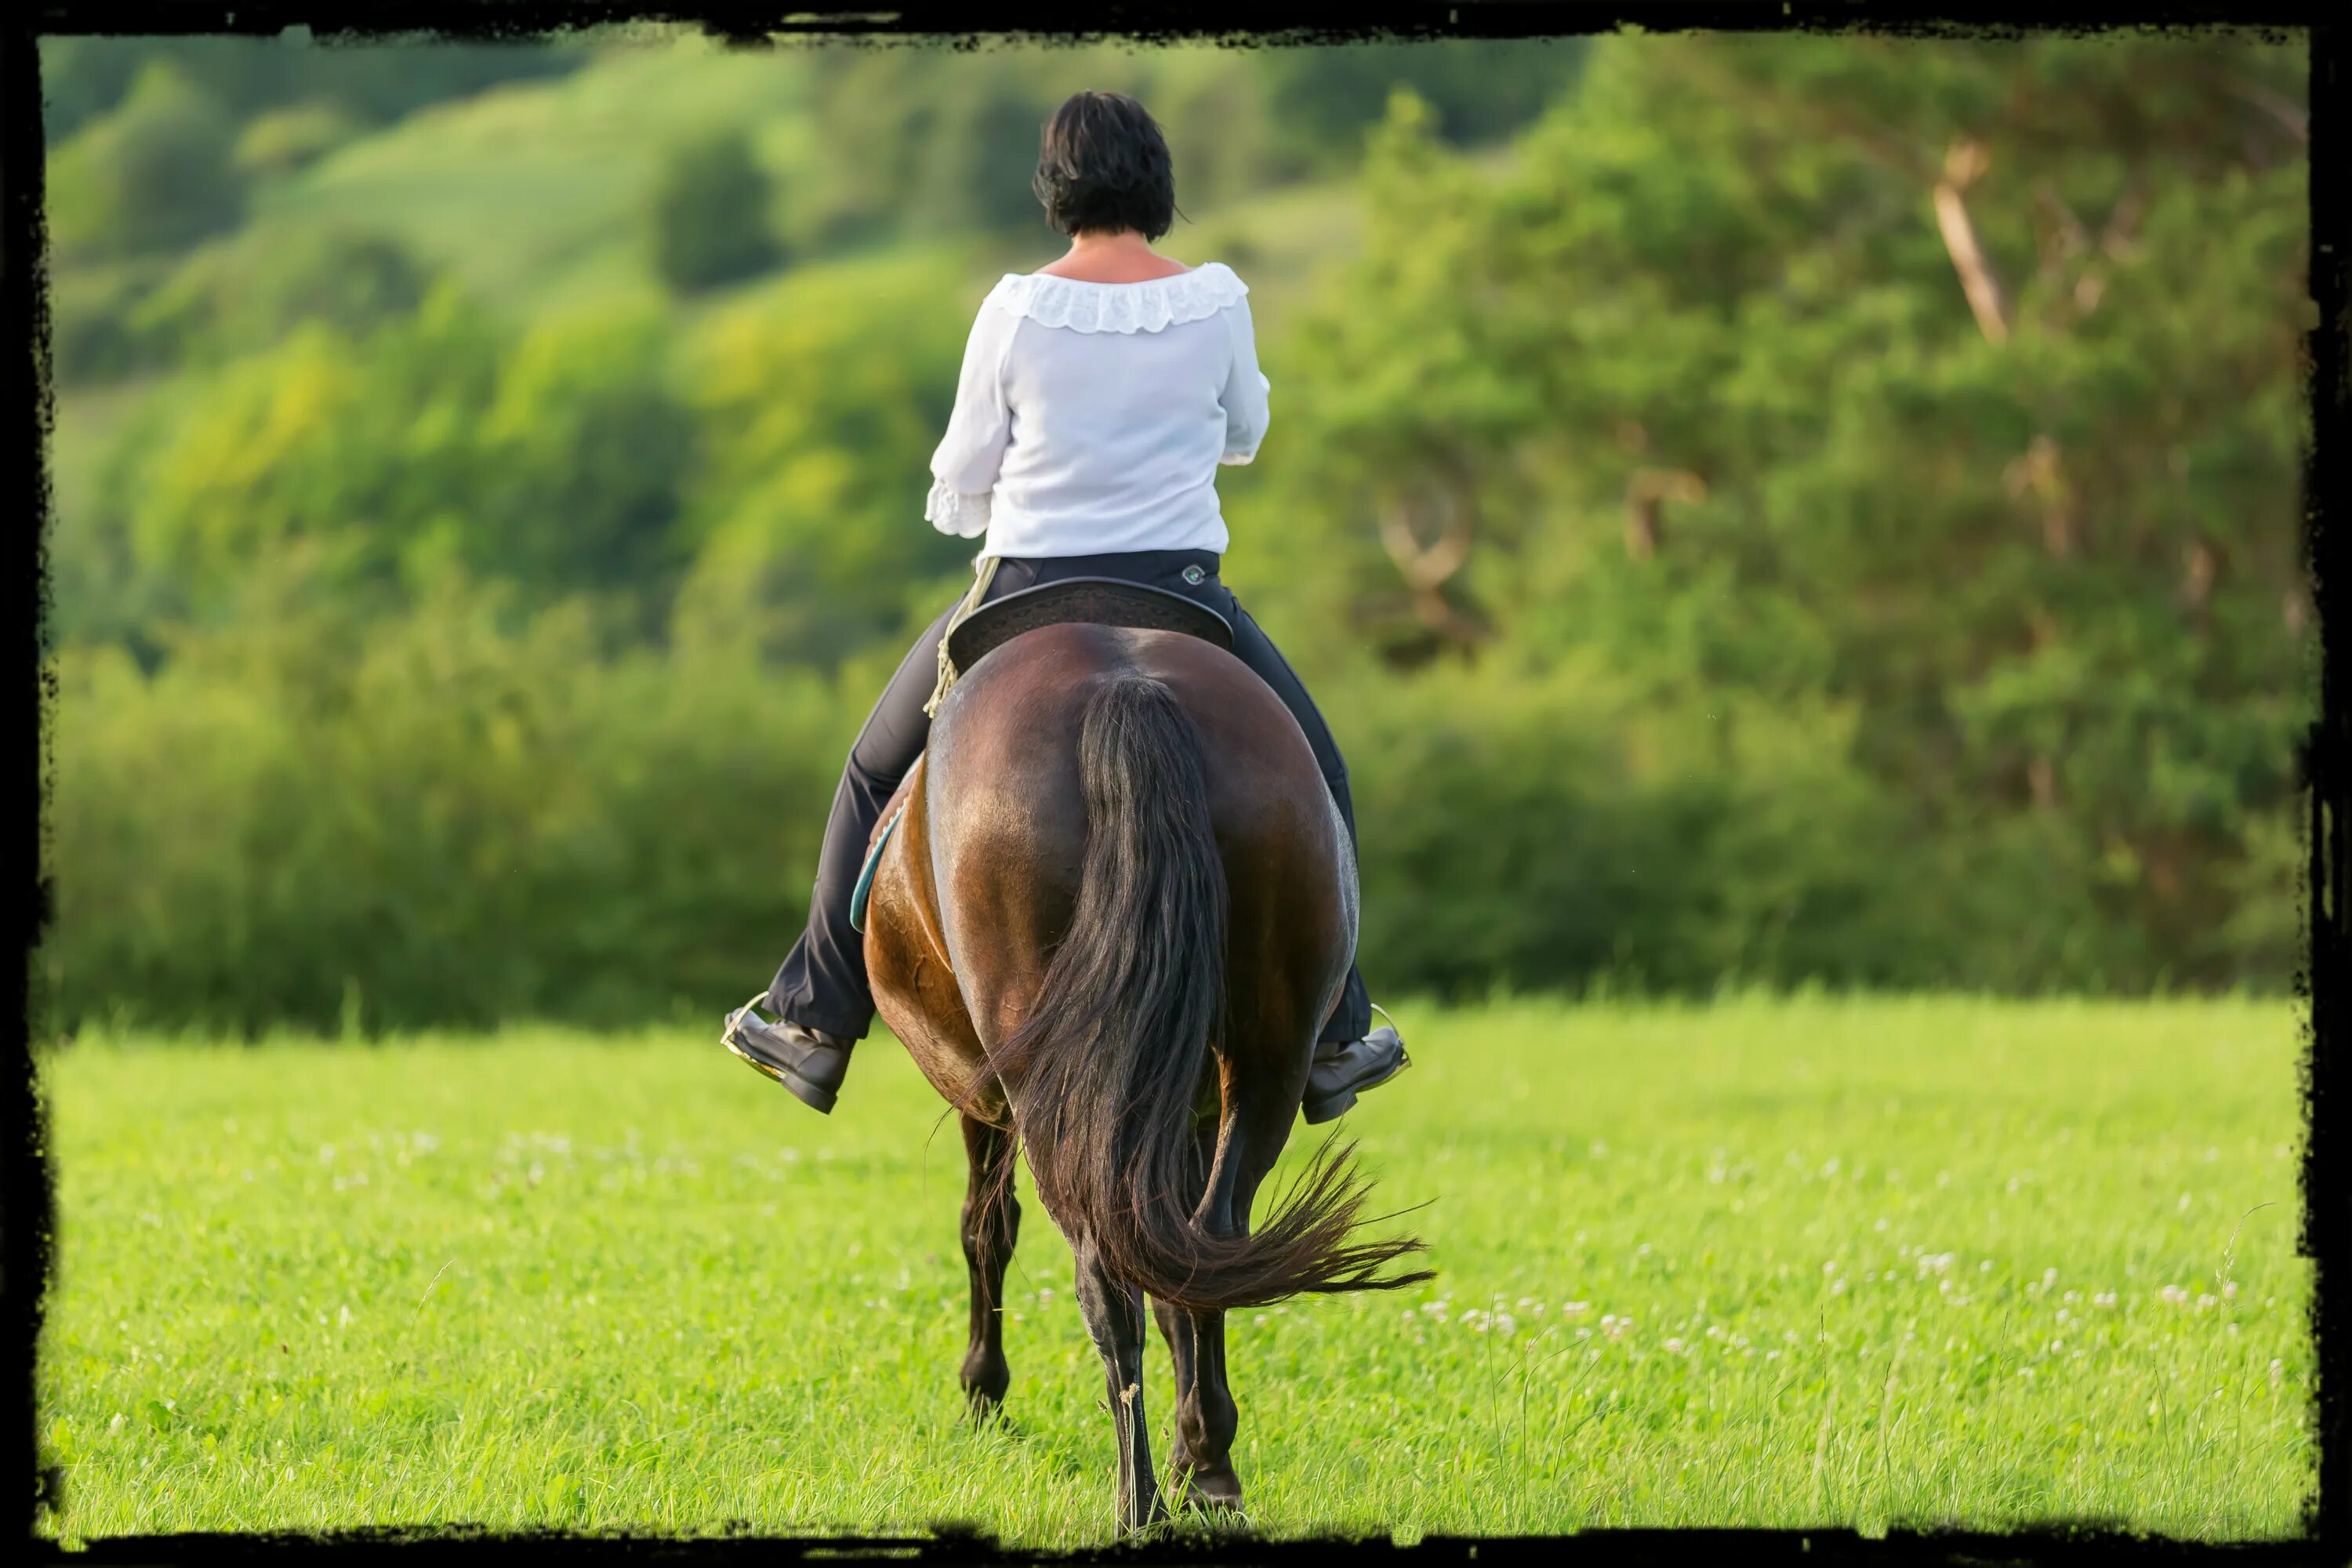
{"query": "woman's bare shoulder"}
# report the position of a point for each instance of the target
(1114, 269)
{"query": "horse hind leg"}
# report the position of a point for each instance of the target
(1200, 1460)
(992, 1225)
(1255, 1127)
(1114, 1315)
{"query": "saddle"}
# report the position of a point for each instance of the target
(979, 630)
(1100, 601)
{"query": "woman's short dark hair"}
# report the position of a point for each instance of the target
(1102, 166)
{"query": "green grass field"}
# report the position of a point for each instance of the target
(1770, 1263)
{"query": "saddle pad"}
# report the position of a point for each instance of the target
(1103, 601)
(860, 894)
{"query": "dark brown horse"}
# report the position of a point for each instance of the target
(1118, 908)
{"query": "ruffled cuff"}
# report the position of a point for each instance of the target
(951, 511)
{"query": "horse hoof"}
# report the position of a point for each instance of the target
(1211, 1492)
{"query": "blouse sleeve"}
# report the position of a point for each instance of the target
(964, 469)
(1246, 389)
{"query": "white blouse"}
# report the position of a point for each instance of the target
(1091, 417)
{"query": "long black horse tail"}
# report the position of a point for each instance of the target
(1112, 1057)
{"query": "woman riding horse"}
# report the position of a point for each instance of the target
(1097, 397)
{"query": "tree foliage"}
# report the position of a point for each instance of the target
(153, 173)
(1908, 379)
(707, 219)
(1807, 509)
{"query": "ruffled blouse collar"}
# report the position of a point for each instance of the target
(1146, 307)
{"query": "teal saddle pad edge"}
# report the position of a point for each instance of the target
(860, 894)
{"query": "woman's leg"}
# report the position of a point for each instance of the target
(823, 984)
(1352, 1019)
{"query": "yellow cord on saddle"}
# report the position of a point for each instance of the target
(984, 570)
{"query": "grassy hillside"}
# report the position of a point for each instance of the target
(531, 196)
(529, 193)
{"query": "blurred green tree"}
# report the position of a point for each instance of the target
(552, 461)
(154, 173)
(249, 293)
(1480, 88)
(706, 218)
(1904, 376)
(300, 812)
(819, 400)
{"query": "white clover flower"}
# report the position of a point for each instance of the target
(1674, 1347)
(2104, 1298)
(2174, 1294)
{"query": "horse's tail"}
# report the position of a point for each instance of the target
(1111, 1058)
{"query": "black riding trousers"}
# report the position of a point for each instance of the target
(823, 983)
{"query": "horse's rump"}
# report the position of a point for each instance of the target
(1141, 890)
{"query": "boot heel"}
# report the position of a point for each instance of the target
(1330, 1110)
(817, 1097)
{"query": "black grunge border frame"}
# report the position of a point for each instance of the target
(27, 1245)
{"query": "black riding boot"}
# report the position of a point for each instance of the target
(807, 1061)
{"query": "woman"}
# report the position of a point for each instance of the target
(1097, 397)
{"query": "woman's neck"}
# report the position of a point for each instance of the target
(1122, 258)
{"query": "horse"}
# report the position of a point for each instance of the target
(1117, 906)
